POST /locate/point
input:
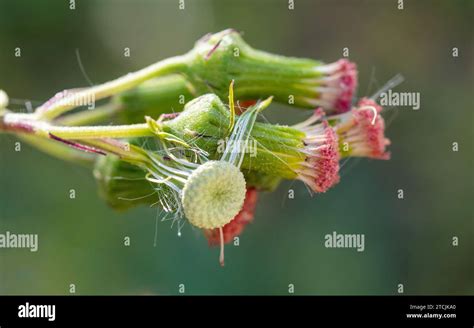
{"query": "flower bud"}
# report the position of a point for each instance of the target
(220, 58)
(122, 185)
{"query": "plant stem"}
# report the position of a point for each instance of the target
(25, 123)
(125, 151)
(97, 132)
(54, 108)
(91, 116)
(60, 151)
(96, 136)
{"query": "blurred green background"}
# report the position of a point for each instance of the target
(407, 241)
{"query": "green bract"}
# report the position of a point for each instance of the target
(122, 185)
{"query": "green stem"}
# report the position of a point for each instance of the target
(97, 132)
(50, 111)
(129, 153)
(23, 123)
(96, 136)
(60, 151)
(91, 116)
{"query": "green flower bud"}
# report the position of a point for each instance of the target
(122, 185)
(220, 58)
(204, 122)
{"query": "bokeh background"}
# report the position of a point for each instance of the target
(409, 241)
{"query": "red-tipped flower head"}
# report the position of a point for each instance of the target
(320, 170)
(337, 85)
(363, 129)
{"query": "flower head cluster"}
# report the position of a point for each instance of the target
(211, 159)
(192, 180)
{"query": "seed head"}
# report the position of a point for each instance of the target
(214, 194)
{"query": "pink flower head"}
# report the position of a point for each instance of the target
(363, 129)
(337, 85)
(320, 169)
(235, 227)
